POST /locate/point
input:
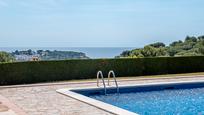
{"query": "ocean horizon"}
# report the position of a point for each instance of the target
(92, 52)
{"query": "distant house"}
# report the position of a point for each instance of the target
(35, 58)
(27, 58)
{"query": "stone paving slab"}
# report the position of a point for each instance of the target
(8, 108)
(44, 100)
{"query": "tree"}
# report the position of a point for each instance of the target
(201, 50)
(161, 52)
(176, 43)
(201, 38)
(30, 52)
(39, 52)
(192, 39)
(6, 57)
(137, 53)
(158, 44)
(149, 51)
(125, 53)
(16, 52)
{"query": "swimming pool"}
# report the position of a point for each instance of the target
(151, 99)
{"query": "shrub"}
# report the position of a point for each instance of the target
(48, 71)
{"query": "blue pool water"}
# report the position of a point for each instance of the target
(184, 99)
(166, 102)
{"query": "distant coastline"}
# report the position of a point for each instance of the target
(92, 52)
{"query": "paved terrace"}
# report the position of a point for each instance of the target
(42, 99)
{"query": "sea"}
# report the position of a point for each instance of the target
(92, 52)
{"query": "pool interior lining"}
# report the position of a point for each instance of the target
(140, 88)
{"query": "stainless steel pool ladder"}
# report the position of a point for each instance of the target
(113, 74)
(99, 73)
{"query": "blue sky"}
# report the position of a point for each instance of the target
(98, 23)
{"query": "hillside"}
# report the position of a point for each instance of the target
(191, 46)
(48, 55)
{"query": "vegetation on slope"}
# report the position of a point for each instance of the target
(48, 55)
(6, 57)
(191, 46)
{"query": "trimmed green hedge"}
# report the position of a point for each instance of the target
(46, 71)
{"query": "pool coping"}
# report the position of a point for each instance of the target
(108, 107)
(98, 104)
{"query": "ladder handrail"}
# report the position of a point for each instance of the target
(99, 73)
(114, 77)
